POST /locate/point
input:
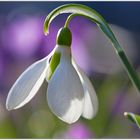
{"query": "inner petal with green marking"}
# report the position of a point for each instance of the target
(53, 64)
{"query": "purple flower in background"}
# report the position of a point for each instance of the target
(23, 36)
(1, 66)
(78, 131)
(49, 42)
(80, 54)
(79, 50)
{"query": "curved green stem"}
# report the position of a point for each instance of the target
(77, 14)
(81, 10)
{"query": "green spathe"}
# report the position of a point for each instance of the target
(64, 37)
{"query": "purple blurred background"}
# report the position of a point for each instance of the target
(23, 42)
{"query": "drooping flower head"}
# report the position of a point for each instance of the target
(70, 93)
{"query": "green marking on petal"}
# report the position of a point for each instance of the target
(53, 64)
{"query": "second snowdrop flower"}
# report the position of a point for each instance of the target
(70, 93)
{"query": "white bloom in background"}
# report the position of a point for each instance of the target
(70, 93)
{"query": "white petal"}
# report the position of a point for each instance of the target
(27, 85)
(65, 91)
(91, 101)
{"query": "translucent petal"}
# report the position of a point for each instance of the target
(91, 102)
(27, 85)
(65, 91)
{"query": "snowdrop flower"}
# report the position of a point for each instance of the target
(70, 93)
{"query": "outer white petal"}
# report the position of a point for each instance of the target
(65, 92)
(91, 101)
(27, 85)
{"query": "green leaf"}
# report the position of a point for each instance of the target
(82, 10)
(133, 117)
